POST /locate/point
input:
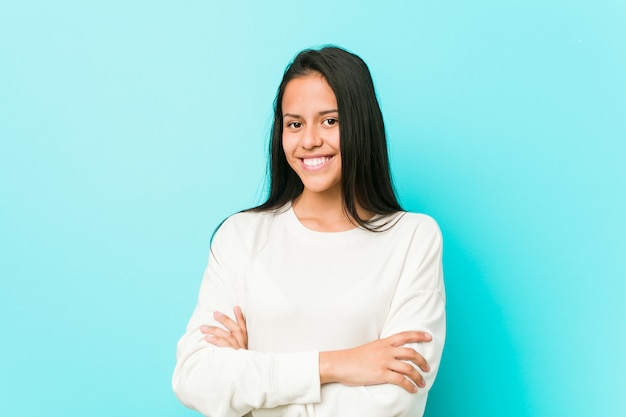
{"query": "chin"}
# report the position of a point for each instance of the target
(321, 188)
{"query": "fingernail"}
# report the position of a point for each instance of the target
(428, 336)
(414, 388)
(217, 314)
(204, 328)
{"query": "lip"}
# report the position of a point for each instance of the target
(329, 159)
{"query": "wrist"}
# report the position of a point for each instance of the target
(328, 362)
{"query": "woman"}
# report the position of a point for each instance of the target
(342, 291)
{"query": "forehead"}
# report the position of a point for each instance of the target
(311, 90)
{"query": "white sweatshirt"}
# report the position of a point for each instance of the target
(304, 292)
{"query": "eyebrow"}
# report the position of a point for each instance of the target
(322, 113)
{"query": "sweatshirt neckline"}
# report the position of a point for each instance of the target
(296, 226)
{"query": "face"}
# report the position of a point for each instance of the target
(311, 133)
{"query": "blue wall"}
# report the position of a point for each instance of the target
(128, 130)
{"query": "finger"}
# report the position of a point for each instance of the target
(234, 328)
(403, 338)
(215, 331)
(207, 329)
(219, 337)
(241, 321)
(400, 380)
(409, 354)
(225, 320)
(409, 372)
(229, 323)
(221, 342)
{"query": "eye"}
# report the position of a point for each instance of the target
(330, 121)
(294, 125)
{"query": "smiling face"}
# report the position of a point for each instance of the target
(311, 134)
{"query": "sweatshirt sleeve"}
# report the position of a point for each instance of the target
(418, 304)
(227, 382)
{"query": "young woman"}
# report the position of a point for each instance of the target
(342, 291)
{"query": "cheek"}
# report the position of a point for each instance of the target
(334, 140)
(289, 144)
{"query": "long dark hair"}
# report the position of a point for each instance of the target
(365, 176)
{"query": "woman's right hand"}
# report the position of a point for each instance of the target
(235, 334)
(378, 362)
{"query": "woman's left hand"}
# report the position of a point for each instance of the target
(236, 335)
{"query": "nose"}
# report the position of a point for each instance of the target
(311, 138)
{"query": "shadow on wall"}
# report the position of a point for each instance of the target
(480, 373)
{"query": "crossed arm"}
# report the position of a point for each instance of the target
(378, 362)
(217, 375)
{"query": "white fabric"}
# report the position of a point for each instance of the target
(304, 292)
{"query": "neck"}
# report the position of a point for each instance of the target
(324, 212)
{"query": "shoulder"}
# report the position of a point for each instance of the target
(413, 223)
(421, 221)
(420, 231)
(246, 229)
(243, 220)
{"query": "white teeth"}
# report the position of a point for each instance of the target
(313, 162)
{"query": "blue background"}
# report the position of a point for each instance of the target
(129, 130)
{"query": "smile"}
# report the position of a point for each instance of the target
(315, 162)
